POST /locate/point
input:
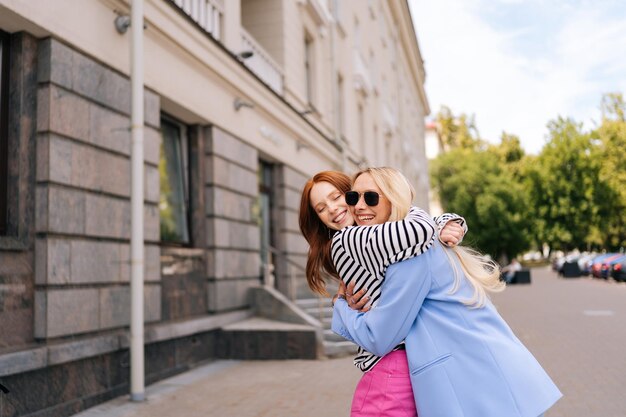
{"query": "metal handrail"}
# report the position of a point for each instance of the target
(321, 301)
(285, 256)
(269, 269)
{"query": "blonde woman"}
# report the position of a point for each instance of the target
(463, 359)
(323, 211)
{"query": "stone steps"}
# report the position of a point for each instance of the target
(320, 309)
(261, 338)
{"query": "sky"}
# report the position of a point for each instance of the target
(516, 64)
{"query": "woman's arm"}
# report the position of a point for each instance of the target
(445, 228)
(376, 247)
(452, 229)
(381, 329)
(442, 220)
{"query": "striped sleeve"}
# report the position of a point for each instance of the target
(376, 247)
(442, 220)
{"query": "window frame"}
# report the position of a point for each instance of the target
(309, 68)
(341, 114)
(5, 54)
(185, 171)
(266, 182)
(361, 121)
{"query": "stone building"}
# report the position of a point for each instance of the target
(244, 100)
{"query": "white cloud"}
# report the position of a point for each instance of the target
(509, 83)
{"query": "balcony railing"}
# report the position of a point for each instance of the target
(261, 63)
(206, 13)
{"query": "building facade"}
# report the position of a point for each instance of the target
(244, 100)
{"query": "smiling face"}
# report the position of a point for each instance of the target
(330, 206)
(368, 215)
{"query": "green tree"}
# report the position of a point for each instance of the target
(457, 131)
(477, 185)
(611, 144)
(509, 150)
(564, 186)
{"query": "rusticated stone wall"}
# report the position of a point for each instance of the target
(64, 265)
(232, 234)
(290, 273)
(82, 216)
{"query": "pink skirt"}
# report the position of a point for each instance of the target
(385, 390)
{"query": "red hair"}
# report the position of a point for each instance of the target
(319, 261)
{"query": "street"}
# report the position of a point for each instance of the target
(575, 328)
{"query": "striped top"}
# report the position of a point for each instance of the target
(363, 253)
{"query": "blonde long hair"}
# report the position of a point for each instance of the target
(482, 273)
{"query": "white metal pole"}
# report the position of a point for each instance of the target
(137, 392)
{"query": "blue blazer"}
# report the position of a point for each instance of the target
(464, 362)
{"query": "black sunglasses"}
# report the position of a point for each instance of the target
(371, 198)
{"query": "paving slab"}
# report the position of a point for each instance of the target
(246, 389)
(575, 327)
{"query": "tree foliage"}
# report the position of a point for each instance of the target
(476, 185)
(571, 195)
(564, 185)
(457, 131)
(611, 151)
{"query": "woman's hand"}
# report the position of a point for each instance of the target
(451, 234)
(356, 301)
(341, 293)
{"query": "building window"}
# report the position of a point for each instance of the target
(362, 140)
(341, 122)
(174, 187)
(4, 128)
(266, 206)
(357, 35)
(309, 69)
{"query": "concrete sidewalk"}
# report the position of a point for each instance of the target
(575, 328)
(289, 388)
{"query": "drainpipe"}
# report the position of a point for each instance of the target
(333, 66)
(137, 392)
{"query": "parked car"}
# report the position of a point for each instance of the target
(598, 262)
(583, 261)
(589, 265)
(618, 272)
(607, 265)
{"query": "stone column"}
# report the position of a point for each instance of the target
(232, 233)
(290, 273)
